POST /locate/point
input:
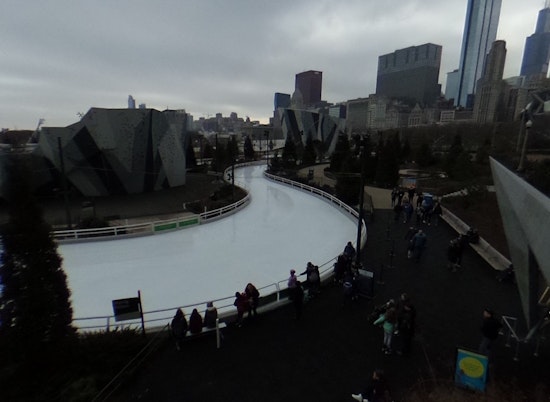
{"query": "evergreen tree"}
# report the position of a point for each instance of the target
(232, 150)
(35, 311)
(341, 154)
(248, 149)
(190, 159)
(424, 155)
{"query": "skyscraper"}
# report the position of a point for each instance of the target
(308, 87)
(490, 87)
(410, 74)
(480, 31)
(131, 102)
(536, 53)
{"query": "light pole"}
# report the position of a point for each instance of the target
(528, 126)
(361, 201)
(266, 133)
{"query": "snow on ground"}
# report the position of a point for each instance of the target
(282, 228)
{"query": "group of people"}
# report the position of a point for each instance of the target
(426, 208)
(247, 301)
(179, 325)
(397, 319)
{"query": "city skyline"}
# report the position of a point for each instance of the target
(61, 58)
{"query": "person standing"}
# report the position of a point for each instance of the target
(490, 328)
(195, 322)
(313, 279)
(179, 327)
(253, 296)
(406, 323)
(210, 315)
(241, 302)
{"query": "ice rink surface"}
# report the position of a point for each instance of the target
(282, 228)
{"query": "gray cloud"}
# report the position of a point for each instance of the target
(60, 57)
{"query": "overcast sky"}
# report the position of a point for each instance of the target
(59, 58)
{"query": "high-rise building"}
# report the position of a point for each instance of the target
(480, 31)
(308, 86)
(536, 53)
(410, 74)
(281, 100)
(490, 87)
(131, 102)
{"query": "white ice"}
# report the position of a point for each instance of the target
(282, 228)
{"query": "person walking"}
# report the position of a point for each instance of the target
(179, 327)
(418, 245)
(490, 328)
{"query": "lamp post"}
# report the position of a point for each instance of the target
(266, 133)
(361, 201)
(528, 125)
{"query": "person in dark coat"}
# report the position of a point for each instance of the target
(253, 296)
(406, 323)
(179, 327)
(313, 279)
(418, 243)
(195, 322)
(490, 328)
(210, 315)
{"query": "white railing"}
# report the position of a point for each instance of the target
(272, 296)
(326, 196)
(148, 228)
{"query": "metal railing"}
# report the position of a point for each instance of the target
(272, 296)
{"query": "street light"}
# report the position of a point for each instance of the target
(361, 201)
(266, 133)
(528, 125)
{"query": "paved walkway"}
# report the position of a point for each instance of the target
(331, 352)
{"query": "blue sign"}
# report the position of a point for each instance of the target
(471, 369)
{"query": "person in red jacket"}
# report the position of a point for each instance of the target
(241, 302)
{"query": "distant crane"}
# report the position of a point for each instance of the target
(34, 137)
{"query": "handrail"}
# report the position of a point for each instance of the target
(148, 228)
(226, 310)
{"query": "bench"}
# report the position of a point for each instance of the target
(205, 330)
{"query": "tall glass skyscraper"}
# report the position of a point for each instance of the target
(480, 31)
(309, 84)
(537, 47)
